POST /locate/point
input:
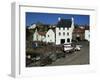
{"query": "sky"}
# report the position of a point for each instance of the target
(52, 18)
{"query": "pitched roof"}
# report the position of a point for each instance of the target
(42, 33)
(64, 23)
(78, 30)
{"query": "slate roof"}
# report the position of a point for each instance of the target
(64, 23)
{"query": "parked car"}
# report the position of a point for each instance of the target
(68, 48)
(77, 48)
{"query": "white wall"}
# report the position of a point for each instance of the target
(5, 40)
(87, 35)
(50, 36)
(35, 36)
(59, 37)
(38, 37)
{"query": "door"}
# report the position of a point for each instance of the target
(68, 40)
(62, 41)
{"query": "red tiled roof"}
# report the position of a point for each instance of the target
(78, 30)
(42, 33)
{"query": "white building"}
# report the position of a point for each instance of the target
(64, 31)
(39, 36)
(61, 35)
(50, 36)
(87, 35)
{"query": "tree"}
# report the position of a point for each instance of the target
(76, 26)
(39, 23)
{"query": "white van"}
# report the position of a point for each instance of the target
(68, 48)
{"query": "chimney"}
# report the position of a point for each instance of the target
(59, 18)
(72, 19)
(72, 24)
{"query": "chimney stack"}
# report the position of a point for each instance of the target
(59, 18)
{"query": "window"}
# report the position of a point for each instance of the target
(62, 41)
(67, 33)
(68, 40)
(59, 28)
(64, 33)
(59, 33)
(67, 28)
(63, 28)
(48, 35)
(88, 35)
(37, 37)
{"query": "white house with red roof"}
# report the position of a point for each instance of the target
(48, 36)
(39, 36)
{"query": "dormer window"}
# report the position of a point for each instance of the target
(67, 33)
